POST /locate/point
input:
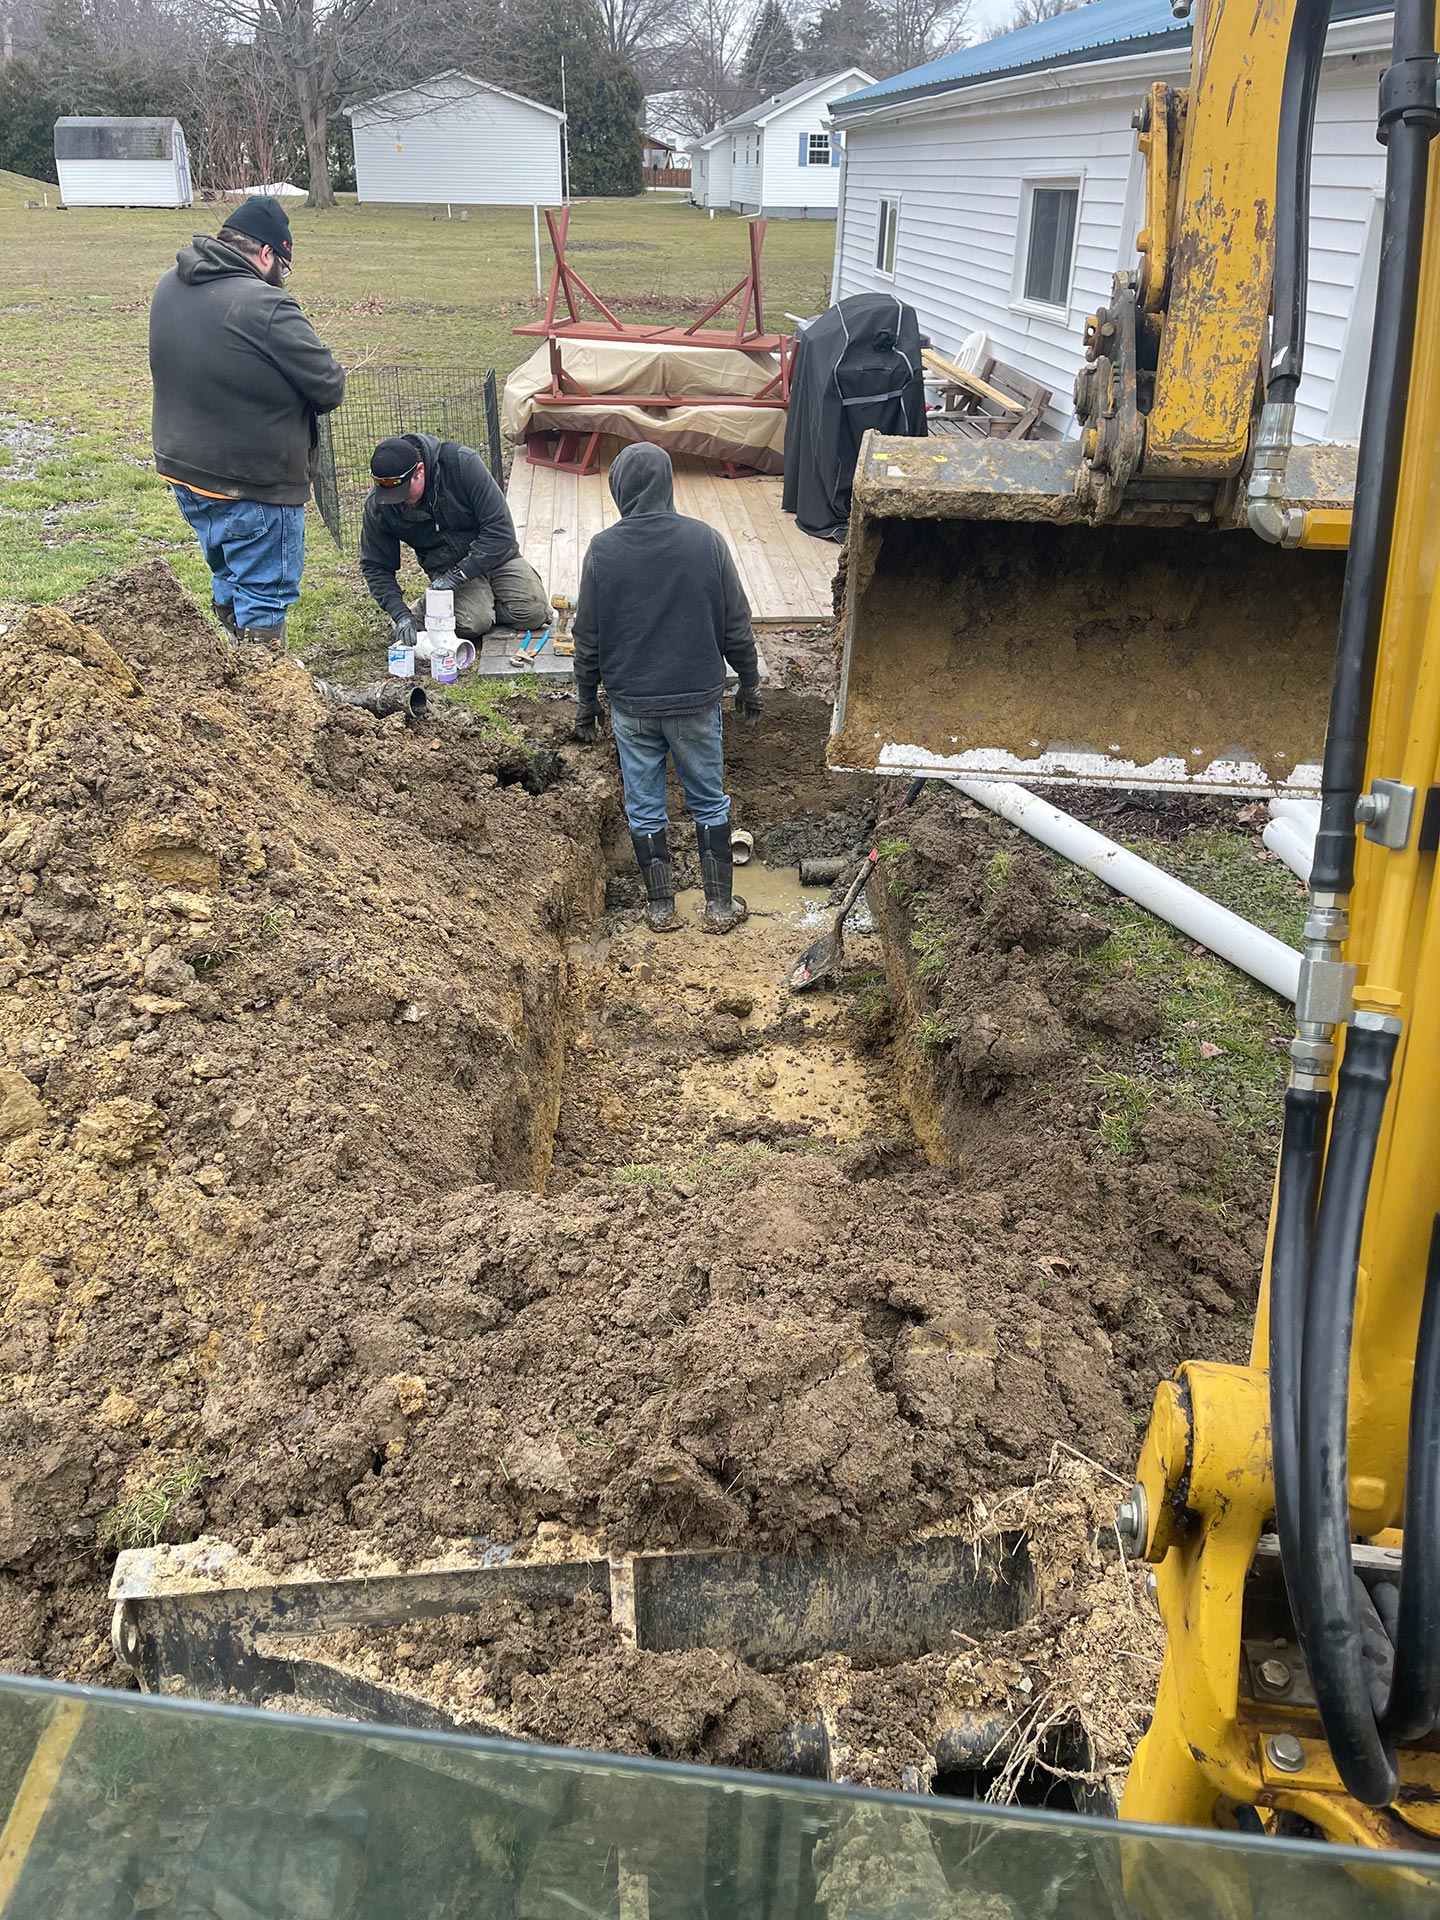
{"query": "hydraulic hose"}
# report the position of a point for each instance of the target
(1414, 1703)
(1365, 1759)
(1298, 93)
(1408, 122)
(1267, 514)
(1302, 1150)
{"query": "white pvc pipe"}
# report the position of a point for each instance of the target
(1255, 952)
(1305, 814)
(1290, 842)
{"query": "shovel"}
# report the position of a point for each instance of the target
(823, 959)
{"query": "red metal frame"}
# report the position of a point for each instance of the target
(561, 449)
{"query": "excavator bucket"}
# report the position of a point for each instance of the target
(990, 631)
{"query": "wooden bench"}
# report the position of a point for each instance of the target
(999, 403)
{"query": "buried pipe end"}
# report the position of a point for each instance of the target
(382, 698)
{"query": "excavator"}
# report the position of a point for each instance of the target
(1197, 568)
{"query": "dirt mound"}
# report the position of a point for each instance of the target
(261, 961)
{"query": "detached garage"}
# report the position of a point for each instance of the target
(458, 140)
(101, 161)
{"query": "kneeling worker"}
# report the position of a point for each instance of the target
(660, 611)
(438, 497)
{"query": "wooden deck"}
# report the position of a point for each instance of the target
(787, 573)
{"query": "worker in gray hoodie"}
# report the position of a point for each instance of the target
(240, 378)
(660, 612)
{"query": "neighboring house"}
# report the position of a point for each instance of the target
(661, 152)
(101, 161)
(999, 189)
(779, 157)
(460, 141)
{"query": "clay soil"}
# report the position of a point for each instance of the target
(367, 1189)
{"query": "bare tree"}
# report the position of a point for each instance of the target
(321, 52)
(634, 28)
(1029, 13)
(708, 41)
(914, 31)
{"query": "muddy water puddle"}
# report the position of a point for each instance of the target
(690, 1042)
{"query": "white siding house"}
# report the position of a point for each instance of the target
(779, 158)
(999, 190)
(458, 140)
(101, 161)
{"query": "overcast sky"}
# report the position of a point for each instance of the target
(989, 17)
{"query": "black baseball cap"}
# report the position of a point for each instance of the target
(391, 465)
(265, 220)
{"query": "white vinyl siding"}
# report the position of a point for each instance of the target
(789, 186)
(963, 171)
(747, 170)
(454, 143)
(123, 183)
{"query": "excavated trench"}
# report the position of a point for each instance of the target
(750, 1377)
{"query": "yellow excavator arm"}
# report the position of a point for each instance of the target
(1291, 1509)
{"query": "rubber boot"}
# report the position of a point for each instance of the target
(724, 908)
(653, 853)
(271, 638)
(226, 616)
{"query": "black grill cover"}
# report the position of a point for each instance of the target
(856, 367)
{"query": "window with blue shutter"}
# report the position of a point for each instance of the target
(815, 150)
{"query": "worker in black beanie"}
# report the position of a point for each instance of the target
(240, 378)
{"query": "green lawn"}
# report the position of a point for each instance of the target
(79, 498)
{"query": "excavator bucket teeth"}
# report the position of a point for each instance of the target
(990, 631)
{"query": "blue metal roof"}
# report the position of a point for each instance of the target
(1104, 28)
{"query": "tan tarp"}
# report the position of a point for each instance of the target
(753, 436)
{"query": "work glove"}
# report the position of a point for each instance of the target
(587, 723)
(447, 582)
(405, 630)
(749, 706)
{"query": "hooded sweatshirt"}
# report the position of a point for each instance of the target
(661, 607)
(239, 377)
(460, 523)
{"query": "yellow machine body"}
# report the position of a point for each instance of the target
(1205, 1467)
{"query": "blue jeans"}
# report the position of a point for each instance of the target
(693, 741)
(255, 552)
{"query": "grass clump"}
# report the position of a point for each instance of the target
(139, 1520)
(931, 948)
(1126, 1099)
(489, 698)
(932, 1032)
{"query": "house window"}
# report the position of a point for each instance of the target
(886, 232)
(818, 150)
(734, 151)
(1045, 257)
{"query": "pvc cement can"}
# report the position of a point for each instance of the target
(443, 667)
(401, 662)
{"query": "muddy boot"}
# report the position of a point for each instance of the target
(653, 854)
(724, 908)
(272, 639)
(225, 614)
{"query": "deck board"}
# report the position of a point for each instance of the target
(786, 573)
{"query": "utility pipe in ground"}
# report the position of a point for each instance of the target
(1255, 952)
(1289, 841)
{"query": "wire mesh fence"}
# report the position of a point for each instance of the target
(454, 403)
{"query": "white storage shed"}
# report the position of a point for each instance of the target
(998, 190)
(102, 161)
(460, 141)
(779, 158)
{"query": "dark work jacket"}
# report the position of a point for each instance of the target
(661, 607)
(461, 522)
(239, 375)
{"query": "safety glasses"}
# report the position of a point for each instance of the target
(388, 480)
